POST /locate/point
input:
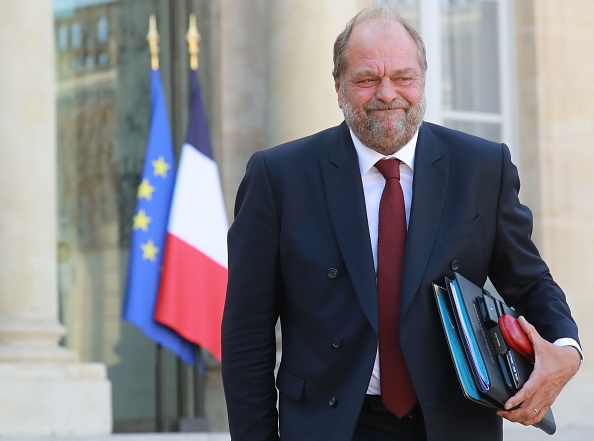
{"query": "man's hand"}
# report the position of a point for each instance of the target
(554, 366)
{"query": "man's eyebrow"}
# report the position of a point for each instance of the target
(395, 72)
(366, 73)
(405, 70)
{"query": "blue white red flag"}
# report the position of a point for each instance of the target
(194, 280)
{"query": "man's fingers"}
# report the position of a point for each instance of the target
(525, 393)
(514, 401)
(526, 415)
(554, 367)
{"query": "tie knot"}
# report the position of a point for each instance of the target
(389, 168)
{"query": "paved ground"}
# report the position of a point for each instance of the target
(519, 434)
(563, 434)
(573, 410)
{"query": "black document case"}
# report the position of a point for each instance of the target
(489, 372)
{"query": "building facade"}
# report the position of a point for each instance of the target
(74, 86)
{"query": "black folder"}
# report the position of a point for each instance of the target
(488, 370)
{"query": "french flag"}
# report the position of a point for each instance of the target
(194, 274)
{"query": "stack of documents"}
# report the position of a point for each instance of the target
(489, 371)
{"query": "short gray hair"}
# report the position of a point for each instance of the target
(382, 12)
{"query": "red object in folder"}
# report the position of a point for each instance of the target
(515, 337)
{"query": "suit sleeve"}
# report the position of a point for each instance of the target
(517, 270)
(252, 309)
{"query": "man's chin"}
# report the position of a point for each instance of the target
(386, 129)
(387, 140)
(388, 121)
(387, 118)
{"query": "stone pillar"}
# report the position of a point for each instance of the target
(302, 96)
(555, 61)
(555, 121)
(241, 70)
(44, 390)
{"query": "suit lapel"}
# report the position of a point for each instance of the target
(346, 206)
(429, 187)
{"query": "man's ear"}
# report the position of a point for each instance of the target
(337, 88)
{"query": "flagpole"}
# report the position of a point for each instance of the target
(199, 367)
(193, 39)
(159, 389)
(197, 422)
(153, 41)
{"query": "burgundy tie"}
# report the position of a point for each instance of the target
(398, 393)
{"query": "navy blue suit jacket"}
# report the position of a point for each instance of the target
(299, 249)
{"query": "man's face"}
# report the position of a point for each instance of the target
(381, 90)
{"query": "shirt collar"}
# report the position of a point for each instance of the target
(368, 157)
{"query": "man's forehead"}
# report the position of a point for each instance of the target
(378, 26)
(379, 36)
(379, 44)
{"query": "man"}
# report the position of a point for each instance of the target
(304, 247)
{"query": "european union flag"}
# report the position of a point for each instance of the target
(150, 229)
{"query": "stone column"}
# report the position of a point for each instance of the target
(302, 95)
(240, 74)
(44, 390)
(555, 60)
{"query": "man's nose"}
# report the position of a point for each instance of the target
(386, 91)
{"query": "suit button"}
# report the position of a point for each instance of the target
(455, 265)
(336, 343)
(332, 402)
(332, 273)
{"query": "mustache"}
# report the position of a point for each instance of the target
(380, 105)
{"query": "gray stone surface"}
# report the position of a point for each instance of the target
(516, 434)
(563, 434)
(572, 410)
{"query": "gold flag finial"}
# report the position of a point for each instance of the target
(193, 38)
(153, 40)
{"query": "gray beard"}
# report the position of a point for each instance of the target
(384, 137)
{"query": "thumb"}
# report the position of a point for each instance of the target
(532, 334)
(530, 330)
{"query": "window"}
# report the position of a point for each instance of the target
(470, 51)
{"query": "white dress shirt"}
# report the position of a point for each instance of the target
(373, 186)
